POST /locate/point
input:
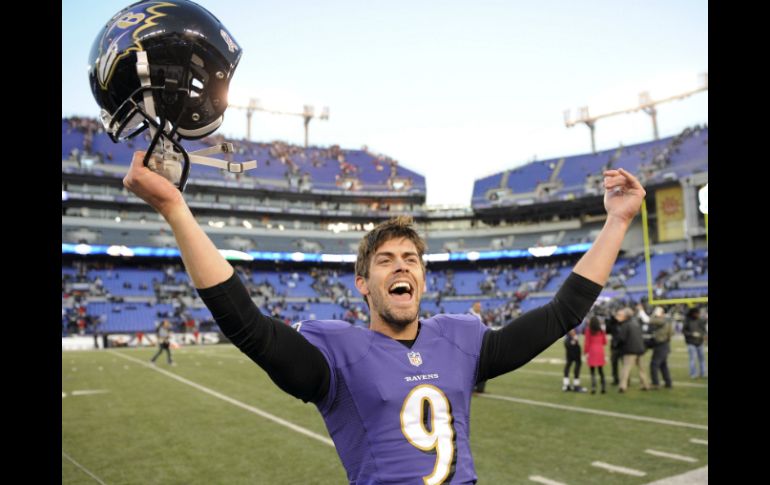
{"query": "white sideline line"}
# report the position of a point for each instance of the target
(82, 468)
(595, 411)
(88, 392)
(235, 402)
(699, 442)
(673, 456)
(560, 374)
(618, 469)
(547, 481)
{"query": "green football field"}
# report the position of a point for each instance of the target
(216, 418)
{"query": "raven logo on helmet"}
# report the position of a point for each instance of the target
(165, 66)
(122, 33)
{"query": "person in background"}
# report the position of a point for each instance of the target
(572, 349)
(633, 348)
(164, 342)
(695, 335)
(662, 330)
(613, 325)
(594, 340)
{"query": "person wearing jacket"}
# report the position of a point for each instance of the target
(662, 330)
(612, 325)
(632, 344)
(695, 334)
(594, 341)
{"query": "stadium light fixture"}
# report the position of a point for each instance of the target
(307, 114)
(646, 104)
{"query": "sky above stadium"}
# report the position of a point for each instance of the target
(454, 90)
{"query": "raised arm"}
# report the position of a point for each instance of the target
(289, 359)
(622, 199)
(527, 336)
(203, 262)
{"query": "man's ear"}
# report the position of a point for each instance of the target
(362, 286)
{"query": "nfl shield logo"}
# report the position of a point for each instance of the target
(415, 358)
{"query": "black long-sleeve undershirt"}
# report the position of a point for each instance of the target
(524, 338)
(300, 369)
(293, 363)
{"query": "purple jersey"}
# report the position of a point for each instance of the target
(400, 415)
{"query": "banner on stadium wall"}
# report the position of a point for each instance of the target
(669, 207)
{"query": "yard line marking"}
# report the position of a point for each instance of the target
(82, 468)
(547, 481)
(549, 360)
(699, 442)
(618, 469)
(235, 402)
(673, 456)
(595, 411)
(699, 475)
(88, 392)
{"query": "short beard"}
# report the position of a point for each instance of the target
(398, 323)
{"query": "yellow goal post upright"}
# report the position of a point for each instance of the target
(703, 196)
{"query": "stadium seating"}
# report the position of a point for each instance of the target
(665, 159)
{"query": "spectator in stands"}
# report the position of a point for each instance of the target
(572, 351)
(633, 349)
(378, 372)
(695, 335)
(164, 342)
(662, 330)
(594, 341)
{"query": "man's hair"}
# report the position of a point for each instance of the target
(395, 228)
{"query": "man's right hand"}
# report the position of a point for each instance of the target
(152, 188)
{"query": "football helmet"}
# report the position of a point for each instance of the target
(165, 66)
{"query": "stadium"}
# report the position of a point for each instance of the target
(291, 229)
